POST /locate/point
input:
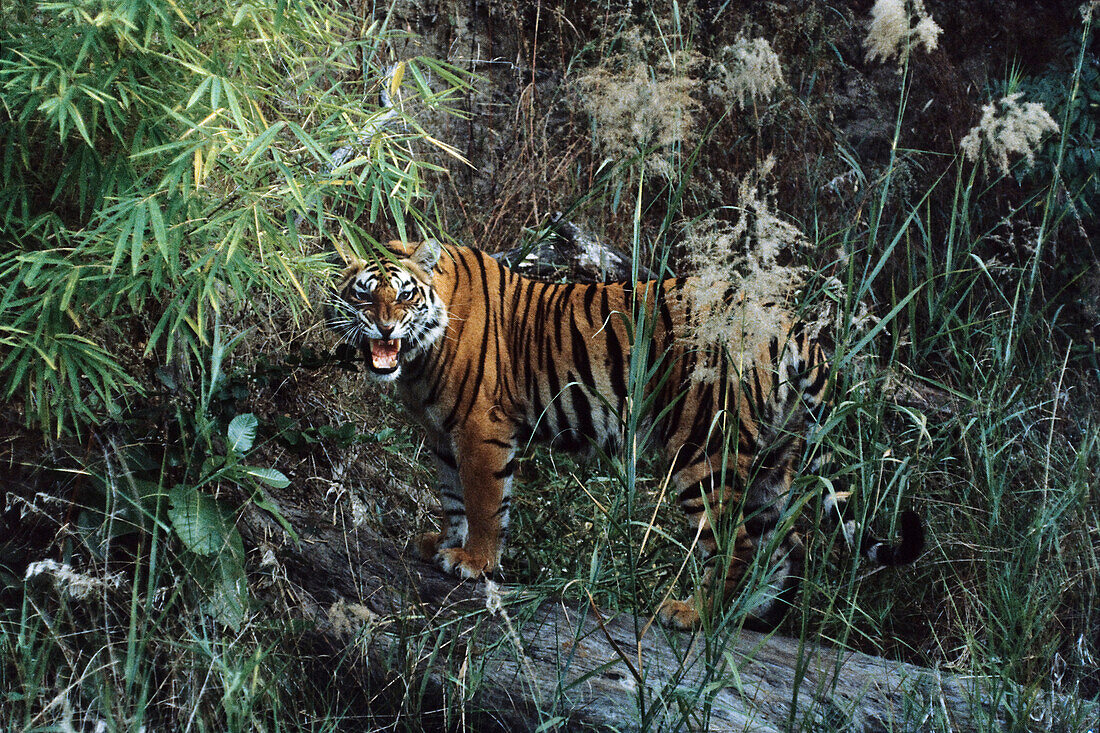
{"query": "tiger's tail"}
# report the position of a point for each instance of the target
(902, 551)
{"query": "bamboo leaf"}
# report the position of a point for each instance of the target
(395, 81)
(215, 92)
(160, 231)
(257, 147)
(125, 231)
(70, 287)
(137, 230)
(78, 120)
(311, 144)
(234, 107)
(421, 83)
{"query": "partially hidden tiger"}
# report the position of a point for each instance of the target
(487, 360)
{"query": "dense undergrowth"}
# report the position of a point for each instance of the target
(166, 202)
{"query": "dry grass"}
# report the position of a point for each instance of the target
(748, 71)
(745, 255)
(1003, 475)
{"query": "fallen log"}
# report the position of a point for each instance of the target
(516, 663)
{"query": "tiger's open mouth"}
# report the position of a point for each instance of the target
(383, 354)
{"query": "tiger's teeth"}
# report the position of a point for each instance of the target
(384, 353)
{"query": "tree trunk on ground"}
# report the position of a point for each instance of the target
(528, 662)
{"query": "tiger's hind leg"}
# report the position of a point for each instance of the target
(686, 614)
(707, 500)
(702, 504)
(772, 409)
(754, 560)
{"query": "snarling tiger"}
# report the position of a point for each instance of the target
(486, 360)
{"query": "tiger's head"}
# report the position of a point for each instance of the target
(387, 308)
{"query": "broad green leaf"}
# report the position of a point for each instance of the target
(242, 432)
(225, 582)
(199, 522)
(267, 504)
(270, 476)
(229, 596)
(211, 465)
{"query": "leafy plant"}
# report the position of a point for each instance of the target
(206, 527)
(169, 167)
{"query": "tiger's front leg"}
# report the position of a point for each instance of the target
(450, 495)
(475, 491)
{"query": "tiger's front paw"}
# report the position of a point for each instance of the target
(679, 614)
(464, 564)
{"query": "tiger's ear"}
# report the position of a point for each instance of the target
(427, 254)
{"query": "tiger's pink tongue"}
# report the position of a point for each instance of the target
(383, 354)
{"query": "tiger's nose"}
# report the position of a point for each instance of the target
(385, 331)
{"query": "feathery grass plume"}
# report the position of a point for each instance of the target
(743, 256)
(748, 69)
(78, 585)
(1008, 126)
(639, 107)
(893, 32)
